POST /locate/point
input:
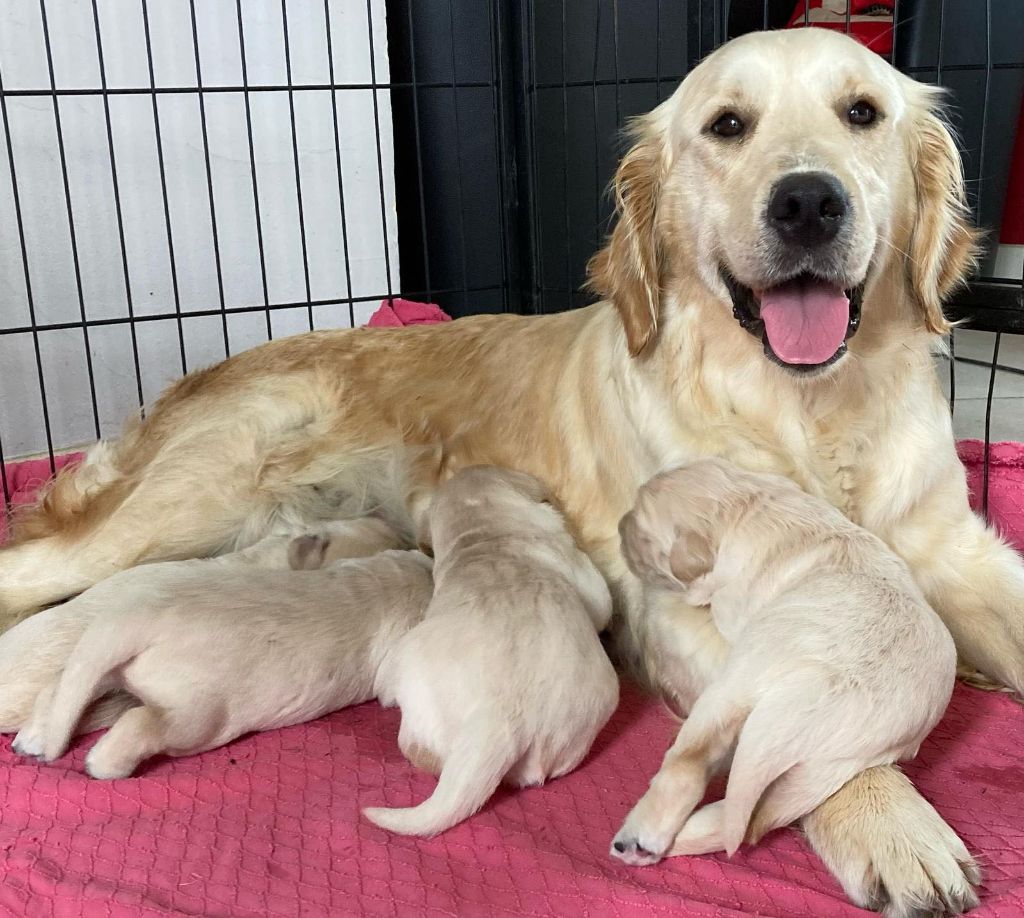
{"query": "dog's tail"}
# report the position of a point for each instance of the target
(789, 727)
(472, 772)
(106, 646)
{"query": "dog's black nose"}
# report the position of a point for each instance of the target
(619, 846)
(808, 208)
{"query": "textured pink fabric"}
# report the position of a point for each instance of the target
(399, 312)
(24, 479)
(1005, 486)
(270, 825)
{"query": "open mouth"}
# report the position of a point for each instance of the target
(804, 322)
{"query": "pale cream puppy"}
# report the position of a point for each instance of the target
(215, 649)
(33, 652)
(837, 662)
(505, 678)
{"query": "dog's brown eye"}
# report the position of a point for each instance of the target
(861, 113)
(728, 125)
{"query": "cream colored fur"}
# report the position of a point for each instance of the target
(505, 678)
(201, 652)
(323, 420)
(836, 662)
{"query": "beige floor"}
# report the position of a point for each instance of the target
(972, 383)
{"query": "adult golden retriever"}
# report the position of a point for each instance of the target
(790, 221)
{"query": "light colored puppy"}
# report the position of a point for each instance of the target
(33, 652)
(215, 650)
(837, 663)
(505, 678)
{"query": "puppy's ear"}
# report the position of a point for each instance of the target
(647, 546)
(306, 553)
(944, 245)
(627, 270)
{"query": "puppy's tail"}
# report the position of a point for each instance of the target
(103, 649)
(478, 761)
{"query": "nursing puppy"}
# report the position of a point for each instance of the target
(837, 662)
(33, 652)
(215, 649)
(505, 678)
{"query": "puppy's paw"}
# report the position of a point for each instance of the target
(628, 849)
(102, 767)
(891, 850)
(645, 836)
(29, 742)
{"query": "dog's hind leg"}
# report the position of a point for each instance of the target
(704, 741)
(137, 735)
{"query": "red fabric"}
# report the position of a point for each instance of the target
(270, 824)
(1005, 485)
(24, 478)
(870, 20)
(400, 312)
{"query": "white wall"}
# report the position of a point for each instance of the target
(23, 65)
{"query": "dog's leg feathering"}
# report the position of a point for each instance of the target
(890, 850)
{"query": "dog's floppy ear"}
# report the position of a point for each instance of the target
(650, 546)
(944, 245)
(627, 270)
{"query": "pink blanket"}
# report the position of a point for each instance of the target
(270, 825)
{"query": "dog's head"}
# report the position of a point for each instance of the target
(670, 536)
(786, 175)
(483, 498)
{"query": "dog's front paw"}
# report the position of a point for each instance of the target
(29, 742)
(891, 850)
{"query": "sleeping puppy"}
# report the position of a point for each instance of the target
(34, 651)
(214, 649)
(837, 662)
(505, 678)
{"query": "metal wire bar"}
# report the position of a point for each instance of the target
(209, 181)
(380, 157)
(500, 144)
(29, 298)
(337, 158)
(988, 424)
(565, 166)
(236, 88)
(424, 236)
(252, 166)
(71, 221)
(117, 207)
(163, 187)
(295, 155)
(458, 150)
(233, 310)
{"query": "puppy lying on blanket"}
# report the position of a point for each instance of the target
(837, 663)
(215, 649)
(33, 652)
(505, 677)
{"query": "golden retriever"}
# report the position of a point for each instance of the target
(505, 678)
(675, 363)
(215, 649)
(836, 662)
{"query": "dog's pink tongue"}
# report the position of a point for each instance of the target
(806, 320)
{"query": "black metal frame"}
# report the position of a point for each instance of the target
(507, 93)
